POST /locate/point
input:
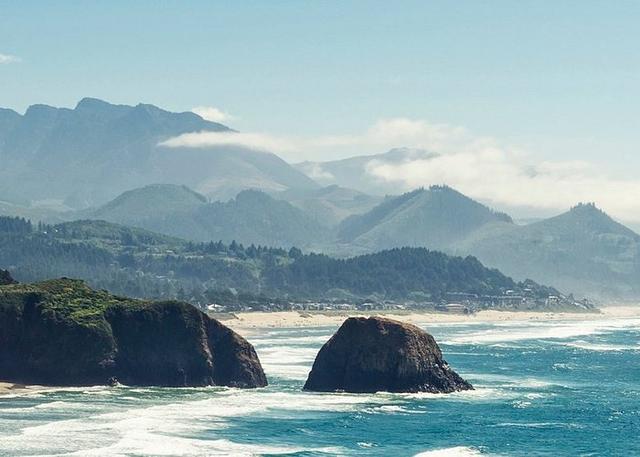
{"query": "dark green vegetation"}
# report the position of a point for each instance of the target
(144, 264)
(61, 332)
(87, 156)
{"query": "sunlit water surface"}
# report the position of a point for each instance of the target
(553, 389)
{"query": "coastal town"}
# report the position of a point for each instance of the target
(452, 302)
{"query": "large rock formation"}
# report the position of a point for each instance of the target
(377, 354)
(64, 333)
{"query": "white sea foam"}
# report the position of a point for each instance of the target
(149, 431)
(600, 347)
(185, 417)
(292, 341)
(287, 362)
(505, 332)
(538, 425)
(479, 394)
(458, 451)
(143, 443)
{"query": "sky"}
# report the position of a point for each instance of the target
(549, 87)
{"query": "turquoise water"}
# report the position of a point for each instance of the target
(550, 389)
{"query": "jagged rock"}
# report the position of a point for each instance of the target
(64, 333)
(5, 278)
(378, 354)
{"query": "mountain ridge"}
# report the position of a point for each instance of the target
(88, 155)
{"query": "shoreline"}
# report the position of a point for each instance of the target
(254, 320)
(248, 323)
(7, 388)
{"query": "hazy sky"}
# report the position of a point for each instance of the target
(559, 82)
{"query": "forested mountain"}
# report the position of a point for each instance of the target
(582, 250)
(90, 154)
(144, 264)
(435, 218)
(252, 217)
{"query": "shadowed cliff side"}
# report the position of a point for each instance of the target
(5, 278)
(377, 354)
(64, 333)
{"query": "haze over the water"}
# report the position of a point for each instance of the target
(539, 96)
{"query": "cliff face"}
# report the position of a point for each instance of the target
(377, 354)
(63, 333)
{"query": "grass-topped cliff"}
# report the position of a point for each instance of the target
(62, 332)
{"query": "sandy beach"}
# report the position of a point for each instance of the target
(255, 320)
(13, 388)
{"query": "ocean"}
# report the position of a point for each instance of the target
(542, 389)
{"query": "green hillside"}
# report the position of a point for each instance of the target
(139, 263)
(435, 218)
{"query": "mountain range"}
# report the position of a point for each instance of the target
(106, 162)
(86, 156)
(252, 217)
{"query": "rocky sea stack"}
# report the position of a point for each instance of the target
(61, 332)
(377, 354)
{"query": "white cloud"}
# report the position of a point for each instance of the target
(480, 167)
(6, 58)
(315, 171)
(505, 177)
(256, 141)
(382, 136)
(213, 114)
(391, 133)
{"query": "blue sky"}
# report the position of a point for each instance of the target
(560, 80)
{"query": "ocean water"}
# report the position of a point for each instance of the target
(542, 388)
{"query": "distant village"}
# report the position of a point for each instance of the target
(453, 302)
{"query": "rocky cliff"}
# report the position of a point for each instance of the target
(377, 354)
(64, 333)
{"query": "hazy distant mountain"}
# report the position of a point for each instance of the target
(435, 218)
(90, 154)
(582, 250)
(355, 172)
(255, 217)
(145, 206)
(251, 217)
(331, 204)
